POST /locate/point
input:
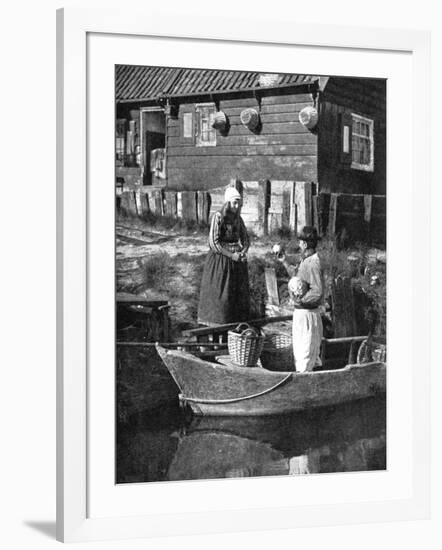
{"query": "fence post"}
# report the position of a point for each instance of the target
(203, 203)
(142, 203)
(263, 204)
(315, 212)
(344, 322)
(179, 204)
(368, 202)
(170, 200)
(189, 205)
(332, 214)
(303, 201)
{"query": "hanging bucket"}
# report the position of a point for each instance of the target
(308, 117)
(219, 121)
(250, 118)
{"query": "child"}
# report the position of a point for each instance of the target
(308, 297)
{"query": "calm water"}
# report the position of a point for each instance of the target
(168, 445)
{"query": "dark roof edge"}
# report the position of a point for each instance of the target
(313, 84)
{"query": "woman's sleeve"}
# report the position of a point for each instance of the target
(243, 235)
(214, 236)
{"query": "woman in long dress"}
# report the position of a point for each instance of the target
(225, 294)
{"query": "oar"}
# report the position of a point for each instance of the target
(175, 344)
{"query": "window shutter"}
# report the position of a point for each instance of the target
(346, 138)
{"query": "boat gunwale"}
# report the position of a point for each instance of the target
(250, 370)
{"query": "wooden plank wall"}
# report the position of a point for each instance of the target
(363, 96)
(353, 218)
(282, 150)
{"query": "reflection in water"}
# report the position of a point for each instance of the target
(165, 447)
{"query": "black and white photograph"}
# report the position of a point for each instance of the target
(250, 274)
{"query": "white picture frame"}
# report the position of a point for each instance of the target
(78, 372)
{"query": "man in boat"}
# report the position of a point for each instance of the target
(307, 286)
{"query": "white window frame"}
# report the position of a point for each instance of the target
(198, 142)
(369, 167)
(190, 127)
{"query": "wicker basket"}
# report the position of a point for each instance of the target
(245, 345)
(277, 352)
(308, 117)
(250, 118)
(219, 121)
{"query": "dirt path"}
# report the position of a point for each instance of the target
(167, 265)
(135, 243)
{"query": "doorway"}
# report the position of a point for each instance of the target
(153, 131)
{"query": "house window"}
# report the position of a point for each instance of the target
(205, 134)
(127, 146)
(120, 141)
(362, 140)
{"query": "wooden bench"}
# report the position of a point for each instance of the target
(218, 333)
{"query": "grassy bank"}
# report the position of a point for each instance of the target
(174, 273)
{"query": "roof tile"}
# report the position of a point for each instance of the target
(147, 83)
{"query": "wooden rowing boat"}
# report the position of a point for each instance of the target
(211, 388)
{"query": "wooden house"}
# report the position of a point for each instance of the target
(165, 135)
(310, 149)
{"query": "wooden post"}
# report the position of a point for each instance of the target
(237, 184)
(308, 195)
(189, 205)
(344, 322)
(159, 205)
(279, 208)
(263, 204)
(156, 201)
(272, 286)
(202, 207)
(141, 203)
(315, 212)
(131, 203)
(368, 202)
(332, 214)
(303, 200)
(171, 203)
(179, 206)
(165, 321)
(293, 209)
(323, 201)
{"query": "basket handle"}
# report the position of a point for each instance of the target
(240, 329)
